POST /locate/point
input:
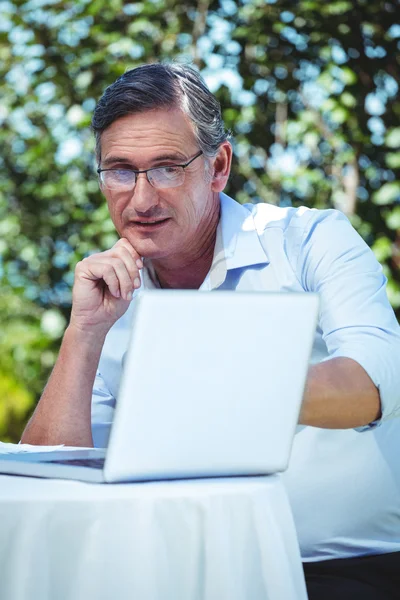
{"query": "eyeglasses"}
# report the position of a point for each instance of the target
(124, 180)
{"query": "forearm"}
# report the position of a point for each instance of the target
(339, 394)
(63, 414)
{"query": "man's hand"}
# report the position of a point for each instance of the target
(103, 287)
(102, 291)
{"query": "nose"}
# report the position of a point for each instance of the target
(144, 197)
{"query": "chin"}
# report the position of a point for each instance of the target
(149, 249)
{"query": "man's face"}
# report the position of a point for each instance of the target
(182, 215)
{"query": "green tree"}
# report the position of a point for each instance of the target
(320, 121)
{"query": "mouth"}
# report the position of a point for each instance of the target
(149, 224)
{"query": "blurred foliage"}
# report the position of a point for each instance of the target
(26, 356)
(309, 90)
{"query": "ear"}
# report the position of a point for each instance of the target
(221, 167)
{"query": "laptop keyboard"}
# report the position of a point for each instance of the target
(94, 463)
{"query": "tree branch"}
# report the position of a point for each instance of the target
(199, 28)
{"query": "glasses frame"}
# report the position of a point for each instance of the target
(183, 165)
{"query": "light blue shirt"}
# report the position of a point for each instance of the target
(344, 485)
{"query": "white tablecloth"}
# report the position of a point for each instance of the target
(214, 539)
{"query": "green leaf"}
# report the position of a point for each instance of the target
(348, 76)
(388, 193)
(337, 8)
(393, 219)
(339, 115)
(393, 292)
(393, 138)
(382, 249)
(392, 160)
(348, 99)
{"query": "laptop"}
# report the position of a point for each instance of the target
(212, 386)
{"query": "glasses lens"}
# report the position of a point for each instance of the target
(166, 177)
(118, 179)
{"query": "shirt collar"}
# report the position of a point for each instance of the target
(237, 245)
(240, 239)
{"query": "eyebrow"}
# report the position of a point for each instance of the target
(115, 160)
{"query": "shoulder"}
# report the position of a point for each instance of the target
(293, 220)
(263, 216)
(307, 236)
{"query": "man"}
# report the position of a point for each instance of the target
(164, 160)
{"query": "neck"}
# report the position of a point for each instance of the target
(189, 272)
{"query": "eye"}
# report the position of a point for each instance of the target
(122, 175)
(169, 171)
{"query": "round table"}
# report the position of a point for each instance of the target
(205, 539)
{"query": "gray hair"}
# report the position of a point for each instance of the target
(163, 86)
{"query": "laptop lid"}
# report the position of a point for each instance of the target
(212, 384)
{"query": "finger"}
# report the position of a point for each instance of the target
(113, 272)
(132, 259)
(126, 283)
(97, 270)
(124, 243)
(130, 263)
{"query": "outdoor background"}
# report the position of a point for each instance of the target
(310, 91)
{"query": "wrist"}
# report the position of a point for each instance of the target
(86, 335)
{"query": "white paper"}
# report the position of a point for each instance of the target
(7, 448)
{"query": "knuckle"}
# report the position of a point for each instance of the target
(109, 271)
(80, 266)
(87, 260)
(124, 243)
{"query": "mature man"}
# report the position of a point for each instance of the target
(164, 160)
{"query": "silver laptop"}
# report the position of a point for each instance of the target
(212, 386)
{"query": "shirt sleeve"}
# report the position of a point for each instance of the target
(103, 405)
(356, 318)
